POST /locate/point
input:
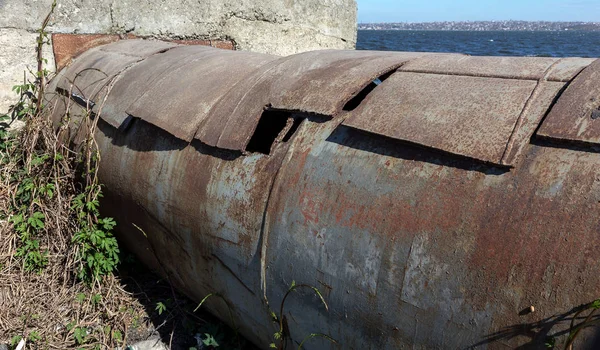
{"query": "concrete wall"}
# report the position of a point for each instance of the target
(17, 55)
(276, 27)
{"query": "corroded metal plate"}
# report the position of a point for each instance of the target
(574, 116)
(468, 116)
(318, 82)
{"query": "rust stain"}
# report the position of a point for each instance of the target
(66, 47)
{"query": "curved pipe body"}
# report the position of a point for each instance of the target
(430, 197)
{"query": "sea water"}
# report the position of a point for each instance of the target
(485, 43)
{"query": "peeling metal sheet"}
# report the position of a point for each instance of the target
(468, 116)
(138, 48)
(536, 108)
(319, 82)
(182, 97)
(574, 117)
(567, 68)
(90, 74)
(92, 71)
(136, 81)
(530, 68)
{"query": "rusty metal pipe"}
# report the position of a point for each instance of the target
(431, 197)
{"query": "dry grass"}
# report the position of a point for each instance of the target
(47, 305)
(51, 307)
(45, 301)
(50, 295)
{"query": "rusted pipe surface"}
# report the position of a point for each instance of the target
(413, 190)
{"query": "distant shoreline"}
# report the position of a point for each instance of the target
(484, 26)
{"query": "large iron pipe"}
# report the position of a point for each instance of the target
(432, 198)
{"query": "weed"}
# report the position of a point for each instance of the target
(34, 336)
(209, 340)
(56, 247)
(212, 336)
(33, 186)
(41, 173)
(550, 342)
(80, 335)
(160, 307)
(314, 335)
(80, 297)
(118, 336)
(575, 330)
(231, 318)
(282, 333)
(98, 248)
(96, 299)
(135, 322)
(14, 341)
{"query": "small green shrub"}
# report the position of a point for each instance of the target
(160, 307)
(80, 335)
(98, 248)
(14, 341)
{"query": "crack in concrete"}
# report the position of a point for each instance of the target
(28, 30)
(255, 16)
(112, 16)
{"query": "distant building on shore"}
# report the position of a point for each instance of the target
(485, 26)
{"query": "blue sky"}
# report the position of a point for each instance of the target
(474, 10)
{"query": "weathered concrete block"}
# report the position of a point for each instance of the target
(281, 39)
(282, 28)
(17, 56)
(171, 18)
(70, 16)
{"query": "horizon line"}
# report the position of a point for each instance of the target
(485, 20)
